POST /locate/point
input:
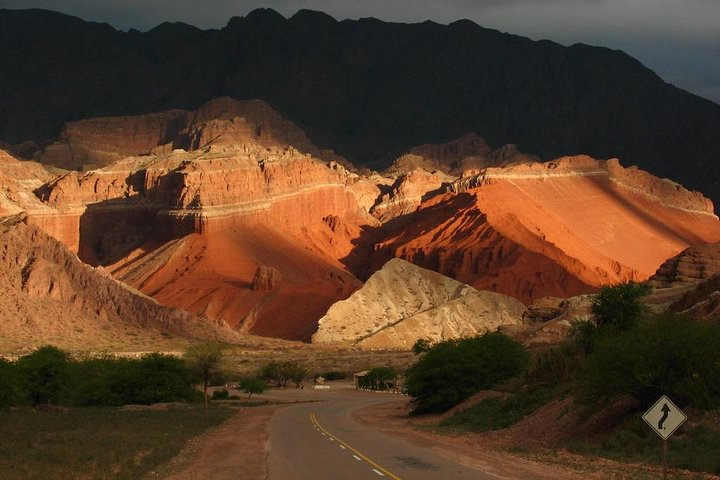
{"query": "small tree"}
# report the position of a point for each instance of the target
(298, 373)
(619, 306)
(205, 360)
(43, 374)
(279, 372)
(252, 385)
(421, 345)
(8, 384)
(380, 378)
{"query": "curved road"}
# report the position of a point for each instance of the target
(321, 440)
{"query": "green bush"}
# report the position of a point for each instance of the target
(619, 306)
(380, 378)
(44, 375)
(555, 366)
(500, 412)
(220, 394)
(333, 375)
(9, 388)
(694, 446)
(252, 385)
(668, 355)
(279, 373)
(451, 371)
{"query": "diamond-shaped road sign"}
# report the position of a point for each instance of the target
(664, 417)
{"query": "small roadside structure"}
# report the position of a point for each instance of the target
(357, 376)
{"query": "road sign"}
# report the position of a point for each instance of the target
(664, 417)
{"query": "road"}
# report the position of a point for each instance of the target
(322, 440)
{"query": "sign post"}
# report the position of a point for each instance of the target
(664, 417)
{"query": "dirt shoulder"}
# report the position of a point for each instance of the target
(235, 449)
(505, 455)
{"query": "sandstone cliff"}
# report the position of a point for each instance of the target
(192, 228)
(219, 125)
(402, 303)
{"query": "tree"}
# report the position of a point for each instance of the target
(668, 355)
(298, 373)
(619, 306)
(421, 345)
(205, 359)
(8, 384)
(380, 378)
(252, 385)
(43, 375)
(453, 370)
(281, 372)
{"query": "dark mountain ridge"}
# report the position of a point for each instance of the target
(368, 89)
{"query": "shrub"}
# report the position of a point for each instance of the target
(380, 378)
(668, 355)
(9, 389)
(252, 385)
(220, 394)
(496, 413)
(451, 371)
(281, 372)
(44, 375)
(333, 375)
(619, 305)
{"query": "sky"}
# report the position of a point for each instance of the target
(678, 39)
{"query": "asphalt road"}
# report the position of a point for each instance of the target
(320, 440)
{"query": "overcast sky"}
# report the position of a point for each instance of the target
(678, 39)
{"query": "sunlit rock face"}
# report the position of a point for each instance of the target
(223, 124)
(689, 283)
(49, 296)
(402, 303)
(248, 226)
(558, 228)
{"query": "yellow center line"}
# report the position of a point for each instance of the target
(314, 421)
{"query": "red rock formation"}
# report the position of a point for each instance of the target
(219, 125)
(689, 266)
(407, 193)
(560, 228)
(266, 279)
(468, 152)
(50, 296)
(216, 204)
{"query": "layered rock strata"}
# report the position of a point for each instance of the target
(558, 228)
(219, 125)
(468, 152)
(50, 296)
(402, 303)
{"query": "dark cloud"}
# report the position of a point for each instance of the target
(679, 40)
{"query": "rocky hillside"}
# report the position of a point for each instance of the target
(402, 303)
(49, 296)
(559, 228)
(367, 89)
(243, 227)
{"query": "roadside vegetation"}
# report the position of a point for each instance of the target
(623, 355)
(64, 416)
(100, 443)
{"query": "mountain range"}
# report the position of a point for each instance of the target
(367, 89)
